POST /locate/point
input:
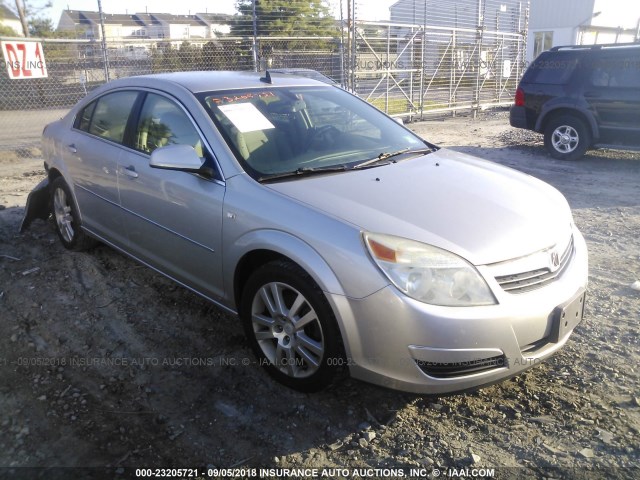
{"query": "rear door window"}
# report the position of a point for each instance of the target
(616, 72)
(84, 119)
(110, 115)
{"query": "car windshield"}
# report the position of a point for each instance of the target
(274, 131)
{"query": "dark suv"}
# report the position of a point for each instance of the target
(582, 97)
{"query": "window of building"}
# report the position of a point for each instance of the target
(542, 41)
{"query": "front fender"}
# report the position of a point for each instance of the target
(287, 245)
(37, 205)
(307, 258)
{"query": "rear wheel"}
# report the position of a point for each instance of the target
(291, 326)
(66, 218)
(567, 137)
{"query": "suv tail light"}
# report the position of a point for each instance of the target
(519, 98)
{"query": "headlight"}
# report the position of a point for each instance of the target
(428, 274)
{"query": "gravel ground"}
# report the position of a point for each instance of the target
(106, 363)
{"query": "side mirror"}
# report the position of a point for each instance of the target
(399, 120)
(176, 157)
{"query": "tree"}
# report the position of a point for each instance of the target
(226, 54)
(22, 14)
(6, 31)
(28, 12)
(43, 27)
(284, 18)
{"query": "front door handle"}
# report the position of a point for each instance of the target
(72, 148)
(130, 171)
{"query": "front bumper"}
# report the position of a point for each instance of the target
(397, 342)
(37, 205)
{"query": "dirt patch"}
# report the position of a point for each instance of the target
(106, 363)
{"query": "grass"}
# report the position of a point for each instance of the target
(401, 105)
(396, 105)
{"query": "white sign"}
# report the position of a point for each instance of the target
(246, 117)
(24, 59)
(506, 69)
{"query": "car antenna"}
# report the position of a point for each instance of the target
(266, 78)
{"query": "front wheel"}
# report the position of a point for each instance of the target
(291, 326)
(66, 218)
(567, 138)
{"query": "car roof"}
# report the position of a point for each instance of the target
(205, 81)
(304, 72)
(622, 47)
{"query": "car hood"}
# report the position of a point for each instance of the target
(477, 209)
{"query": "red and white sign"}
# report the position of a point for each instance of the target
(24, 59)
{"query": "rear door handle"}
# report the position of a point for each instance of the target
(72, 148)
(130, 171)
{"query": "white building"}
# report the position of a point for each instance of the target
(218, 24)
(9, 19)
(501, 15)
(500, 22)
(133, 35)
(86, 24)
(182, 27)
(581, 22)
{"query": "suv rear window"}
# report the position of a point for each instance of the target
(551, 68)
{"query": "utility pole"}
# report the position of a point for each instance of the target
(350, 65)
(354, 48)
(342, 76)
(105, 58)
(255, 38)
(23, 17)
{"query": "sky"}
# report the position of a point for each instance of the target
(376, 9)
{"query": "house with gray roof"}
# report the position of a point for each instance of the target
(148, 25)
(9, 19)
(219, 24)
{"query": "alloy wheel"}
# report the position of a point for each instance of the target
(565, 139)
(63, 216)
(288, 330)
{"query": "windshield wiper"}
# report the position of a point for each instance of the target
(303, 172)
(387, 155)
(307, 171)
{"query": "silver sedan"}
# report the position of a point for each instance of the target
(342, 240)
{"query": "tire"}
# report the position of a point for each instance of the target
(276, 298)
(66, 218)
(566, 137)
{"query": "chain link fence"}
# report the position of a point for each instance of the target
(439, 56)
(433, 56)
(410, 70)
(75, 67)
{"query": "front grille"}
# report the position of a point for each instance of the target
(534, 279)
(458, 369)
